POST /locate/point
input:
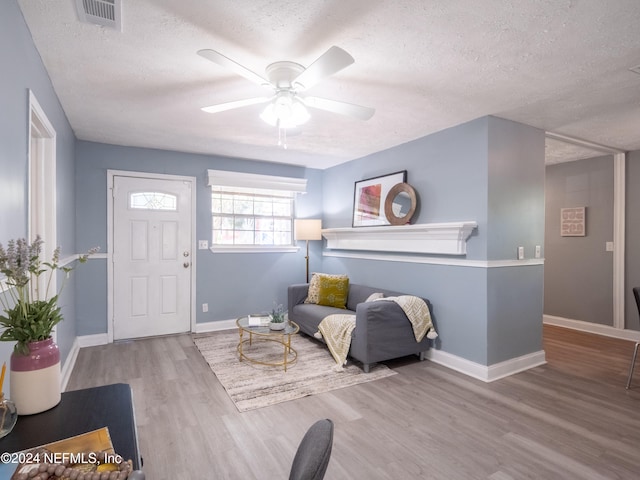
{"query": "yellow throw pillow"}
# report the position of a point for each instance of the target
(314, 286)
(333, 290)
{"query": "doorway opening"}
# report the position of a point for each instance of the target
(42, 186)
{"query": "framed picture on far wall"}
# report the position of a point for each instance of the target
(573, 222)
(369, 196)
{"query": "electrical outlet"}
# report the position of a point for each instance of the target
(538, 251)
(205, 307)
(520, 253)
(203, 244)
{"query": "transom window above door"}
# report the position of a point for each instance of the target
(153, 201)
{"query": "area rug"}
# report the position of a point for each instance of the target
(251, 386)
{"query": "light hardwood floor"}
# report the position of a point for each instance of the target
(569, 419)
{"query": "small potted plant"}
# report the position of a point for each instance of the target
(278, 318)
(31, 311)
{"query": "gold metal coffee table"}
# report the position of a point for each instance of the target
(262, 332)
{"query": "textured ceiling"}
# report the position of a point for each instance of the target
(558, 65)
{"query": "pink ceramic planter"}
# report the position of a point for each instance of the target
(35, 378)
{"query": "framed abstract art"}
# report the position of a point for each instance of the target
(369, 197)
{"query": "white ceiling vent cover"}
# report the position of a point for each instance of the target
(101, 12)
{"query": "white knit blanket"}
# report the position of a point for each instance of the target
(418, 314)
(336, 330)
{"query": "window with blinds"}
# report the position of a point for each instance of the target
(252, 210)
(246, 218)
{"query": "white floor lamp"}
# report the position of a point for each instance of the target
(307, 229)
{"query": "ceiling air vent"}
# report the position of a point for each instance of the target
(101, 12)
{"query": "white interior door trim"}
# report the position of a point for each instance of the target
(619, 215)
(583, 143)
(42, 173)
(110, 277)
(41, 211)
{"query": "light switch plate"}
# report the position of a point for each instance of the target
(538, 251)
(520, 253)
(203, 244)
(609, 246)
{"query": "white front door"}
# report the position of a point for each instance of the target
(151, 256)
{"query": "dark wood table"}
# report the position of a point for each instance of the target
(78, 412)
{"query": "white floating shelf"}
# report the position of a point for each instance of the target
(435, 238)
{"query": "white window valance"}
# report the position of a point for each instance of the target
(256, 182)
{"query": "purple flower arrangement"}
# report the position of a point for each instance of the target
(31, 308)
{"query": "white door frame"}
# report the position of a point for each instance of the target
(619, 206)
(41, 209)
(110, 240)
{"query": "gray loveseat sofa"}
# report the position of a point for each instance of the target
(382, 330)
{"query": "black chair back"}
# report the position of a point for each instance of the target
(313, 454)
(636, 293)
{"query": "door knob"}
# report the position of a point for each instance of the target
(185, 254)
(185, 264)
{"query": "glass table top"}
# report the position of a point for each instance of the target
(259, 324)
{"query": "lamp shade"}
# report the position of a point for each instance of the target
(308, 229)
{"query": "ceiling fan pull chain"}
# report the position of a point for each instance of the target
(282, 136)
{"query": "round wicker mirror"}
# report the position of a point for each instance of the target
(400, 204)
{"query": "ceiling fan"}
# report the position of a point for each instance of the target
(286, 107)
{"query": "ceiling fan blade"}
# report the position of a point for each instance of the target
(235, 67)
(221, 107)
(343, 108)
(330, 62)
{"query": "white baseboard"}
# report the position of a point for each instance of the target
(598, 329)
(515, 365)
(215, 326)
(483, 372)
(103, 338)
(93, 340)
(69, 363)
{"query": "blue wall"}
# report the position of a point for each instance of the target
(231, 284)
(23, 70)
(490, 171)
(515, 210)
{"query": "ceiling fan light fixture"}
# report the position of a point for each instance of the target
(285, 111)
